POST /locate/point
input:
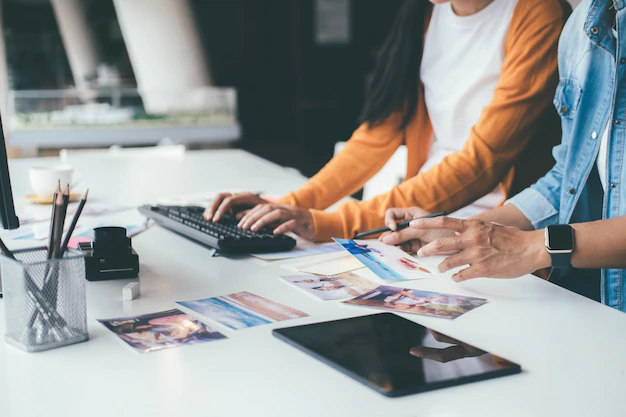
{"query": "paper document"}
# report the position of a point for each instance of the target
(335, 287)
(390, 262)
(156, 331)
(303, 248)
(242, 310)
(426, 303)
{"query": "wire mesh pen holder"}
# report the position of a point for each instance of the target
(44, 299)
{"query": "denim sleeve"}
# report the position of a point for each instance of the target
(540, 203)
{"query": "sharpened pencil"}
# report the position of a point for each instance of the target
(52, 217)
(401, 225)
(79, 210)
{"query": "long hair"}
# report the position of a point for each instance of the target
(396, 75)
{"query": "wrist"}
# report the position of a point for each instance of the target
(537, 244)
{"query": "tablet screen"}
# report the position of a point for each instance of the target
(395, 356)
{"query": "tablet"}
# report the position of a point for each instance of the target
(395, 356)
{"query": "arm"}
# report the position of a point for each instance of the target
(506, 126)
(495, 251)
(365, 154)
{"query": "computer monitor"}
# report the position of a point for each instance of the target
(8, 218)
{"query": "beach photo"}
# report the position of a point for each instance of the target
(162, 330)
(335, 287)
(390, 262)
(426, 303)
(242, 310)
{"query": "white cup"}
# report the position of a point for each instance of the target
(44, 180)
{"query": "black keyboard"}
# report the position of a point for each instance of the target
(224, 235)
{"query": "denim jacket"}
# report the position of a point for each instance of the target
(591, 96)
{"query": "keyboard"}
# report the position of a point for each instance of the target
(224, 236)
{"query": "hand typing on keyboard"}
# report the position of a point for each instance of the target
(256, 213)
(282, 218)
(231, 203)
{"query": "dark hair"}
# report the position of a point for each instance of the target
(396, 75)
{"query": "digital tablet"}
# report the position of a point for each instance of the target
(395, 356)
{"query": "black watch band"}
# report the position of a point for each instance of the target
(561, 260)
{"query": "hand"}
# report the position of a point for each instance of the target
(492, 250)
(451, 353)
(282, 217)
(224, 202)
(409, 239)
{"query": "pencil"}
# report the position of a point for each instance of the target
(52, 217)
(59, 221)
(401, 225)
(79, 210)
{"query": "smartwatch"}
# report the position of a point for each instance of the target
(560, 244)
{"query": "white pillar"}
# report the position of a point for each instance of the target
(79, 41)
(165, 51)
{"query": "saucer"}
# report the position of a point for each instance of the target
(47, 199)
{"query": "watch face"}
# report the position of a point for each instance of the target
(560, 237)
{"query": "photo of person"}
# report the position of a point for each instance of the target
(334, 287)
(161, 330)
(390, 262)
(418, 302)
(242, 310)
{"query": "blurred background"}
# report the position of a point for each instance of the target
(283, 79)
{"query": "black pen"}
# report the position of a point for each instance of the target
(400, 226)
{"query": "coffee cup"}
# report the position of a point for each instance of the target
(44, 180)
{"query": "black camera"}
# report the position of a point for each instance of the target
(110, 255)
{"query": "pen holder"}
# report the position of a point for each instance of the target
(44, 299)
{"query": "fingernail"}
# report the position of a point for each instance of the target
(455, 278)
(387, 239)
(391, 225)
(415, 223)
(420, 253)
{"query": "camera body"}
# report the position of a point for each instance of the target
(110, 255)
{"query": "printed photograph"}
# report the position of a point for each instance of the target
(327, 267)
(242, 310)
(390, 262)
(425, 303)
(334, 287)
(162, 330)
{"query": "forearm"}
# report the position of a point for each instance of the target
(597, 245)
(364, 155)
(508, 215)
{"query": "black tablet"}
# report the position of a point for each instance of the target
(395, 356)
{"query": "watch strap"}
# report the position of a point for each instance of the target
(561, 260)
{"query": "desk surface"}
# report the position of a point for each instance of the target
(572, 349)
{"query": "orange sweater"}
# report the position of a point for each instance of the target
(509, 145)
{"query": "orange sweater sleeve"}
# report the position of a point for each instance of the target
(364, 155)
(506, 126)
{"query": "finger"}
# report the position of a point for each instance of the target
(241, 214)
(474, 271)
(392, 215)
(448, 223)
(271, 217)
(443, 245)
(231, 201)
(403, 235)
(465, 257)
(217, 201)
(223, 208)
(286, 227)
(249, 213)
(254, 215)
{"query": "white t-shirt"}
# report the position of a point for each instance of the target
(604, 146)
(602, 156)
(461, 64)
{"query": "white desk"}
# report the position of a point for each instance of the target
(573, 350)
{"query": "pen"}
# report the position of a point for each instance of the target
(401, 225)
